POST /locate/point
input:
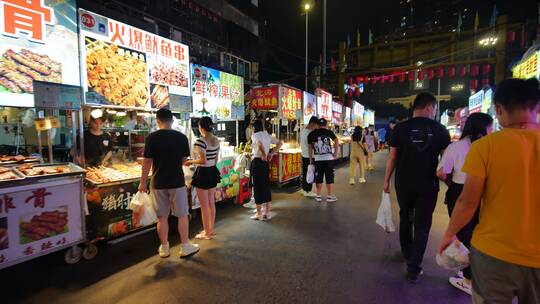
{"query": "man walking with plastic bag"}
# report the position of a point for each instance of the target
(414, 154)
(166, 151)
(307, 186)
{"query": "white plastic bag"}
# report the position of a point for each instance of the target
(310, 175)
(143, 203)
(138, 200)
(384, 214)
(454, 258)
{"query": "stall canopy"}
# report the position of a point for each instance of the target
(217, 94)
(38, 42)
(310, 106)
(324, 104)
(128, 67)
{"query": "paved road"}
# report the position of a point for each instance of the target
(309, 253)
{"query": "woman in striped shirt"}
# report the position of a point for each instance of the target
(206, 176)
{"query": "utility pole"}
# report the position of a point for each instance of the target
(324, 39)
(306, 72)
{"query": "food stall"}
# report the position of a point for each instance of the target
(41, 196)
(282, 106)
(220, 96)
(127, 74)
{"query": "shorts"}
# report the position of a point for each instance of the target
(171, 199)
(324, 170)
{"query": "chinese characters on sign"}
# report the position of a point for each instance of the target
(291, 166)
(291, 103)
(475, 102)
(324, 104)
(528, 68)
(38, 42)
(265, 98)
(217, 94)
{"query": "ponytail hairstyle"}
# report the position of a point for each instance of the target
(514, 94)
(476, 126)
(206, 124)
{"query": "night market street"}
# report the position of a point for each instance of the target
(309, 253)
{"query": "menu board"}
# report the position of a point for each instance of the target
(310, 107)
(324, 104)
(38, 41)
(290, 103)
(39, 218)
(528, 67)
(475, 102)
(215, 93)
(265, 98)
(128, 67)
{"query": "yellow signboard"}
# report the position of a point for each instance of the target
(528, 68)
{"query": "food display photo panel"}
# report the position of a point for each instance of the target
(128, 67)
(37, 46)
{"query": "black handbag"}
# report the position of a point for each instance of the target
(362, 146)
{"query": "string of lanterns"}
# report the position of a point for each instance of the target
(475, 70)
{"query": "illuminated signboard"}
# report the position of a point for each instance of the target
(38, 42)
(324, 104)
(347, 115)
(475, 102)
(358, 114)
(216, 93)
(128, 67)
(310, 107)
(487, 101)
(290, 103)
(265, 98)
(528, 68)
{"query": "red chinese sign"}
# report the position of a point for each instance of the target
(26, 16)
(291, 166)
(291, 103)
(265, 98)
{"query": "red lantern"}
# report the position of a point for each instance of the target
(485, 82)
(462, 71)
(511, 37)
(440, 73)
(473, 84)
(474, 70)
(358, 80)
(486, 68)
(421, 75)
(451, 71)
(401, 77)
(411, 75)
(431, 74)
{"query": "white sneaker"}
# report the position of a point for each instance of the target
(187, 250)
(351, 181)
(309, 194)
(318, 198)
(362, 181)
(331, 198)
(164, 251)
(461, 284)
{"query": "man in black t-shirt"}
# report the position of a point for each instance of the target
(323, 150)
(415, 146)
(166, 151)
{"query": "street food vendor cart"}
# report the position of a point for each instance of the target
(220, 96)
(41, 196)
(281, 105)
(127, 74)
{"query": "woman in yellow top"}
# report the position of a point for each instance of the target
(359, 152)
(503, 172)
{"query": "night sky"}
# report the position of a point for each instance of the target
(285, 27)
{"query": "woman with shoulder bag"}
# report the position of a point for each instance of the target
(371, 139)
(359, 153)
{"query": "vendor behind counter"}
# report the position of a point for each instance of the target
(97, 144)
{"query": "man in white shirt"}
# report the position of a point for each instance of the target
(304, 145)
